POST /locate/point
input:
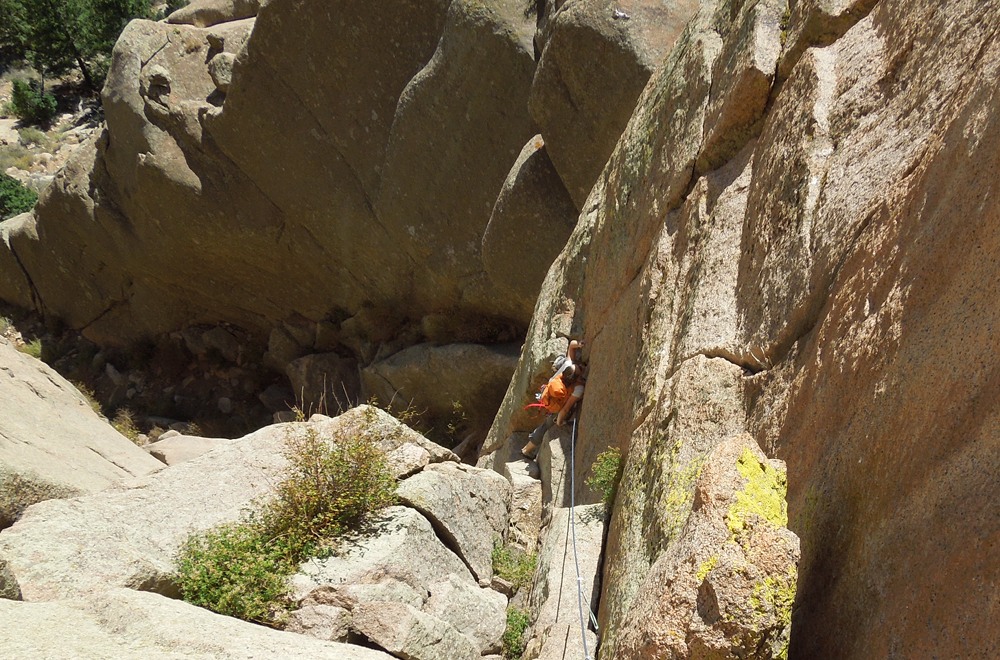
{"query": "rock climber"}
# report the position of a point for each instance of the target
(559, 397)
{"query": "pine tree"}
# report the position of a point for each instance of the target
(58, 35)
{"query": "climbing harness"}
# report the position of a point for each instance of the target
(572, 524)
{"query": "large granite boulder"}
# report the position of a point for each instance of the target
(52, 443)
(204, 13)
(794, 243)
(456, 388)
(530, 223)
(404, 589)
(406, 632)
(469, 507)
(365, 205)
(361, 213)
(725, 587)
(121, 623)
(596, 59)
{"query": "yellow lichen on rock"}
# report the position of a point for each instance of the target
(764, 495)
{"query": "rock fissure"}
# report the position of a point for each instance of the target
(110, 460)
(36, 296)
(166, 42)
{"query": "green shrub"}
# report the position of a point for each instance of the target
(605, 473)
(16, 156)
(124, 423)
(233, 570)
(14, 197)
(32, 348)
(32, 135)
(30, 104)
(513, 564)
(5, 324)
(513, 636)
(328, 488)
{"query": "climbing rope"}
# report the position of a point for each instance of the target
(576, 560)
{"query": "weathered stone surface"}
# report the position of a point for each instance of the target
(204, 13)
(406, 632)
(220, 68)
(403, 548)
(15, 287)
(591, 72)
(485, 49)
(530, 223)
(820, 284)
(899, 232)
(741, 79)
(401, 561)
(811, 23)
(478, 613)
(470, 507)
(554, 600)
(724, 588)
(321, 621)
(52, 444)
(179, 448)
(457, 385)
(122, 623)
(129, 536)
(384, 117)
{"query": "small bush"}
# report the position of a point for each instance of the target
(89, 397)
(5, 324)
(28, 136)
(513, 636)
(16, 156)
(513, 564)
(124, 423)
(30, 104)
(233, 570)
(14, 197)
(32, 348)
(328, 488)
(605, 473)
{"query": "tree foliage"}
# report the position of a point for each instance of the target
(30, 104)
(14, 198)
(58, 35)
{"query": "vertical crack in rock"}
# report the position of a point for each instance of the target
(36, 296)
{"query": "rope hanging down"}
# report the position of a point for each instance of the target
(576, 561)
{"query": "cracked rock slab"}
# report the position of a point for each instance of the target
(122, 623)
(408, 633)
(52, 444)
(469, 506)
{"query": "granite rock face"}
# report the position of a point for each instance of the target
(596, 59)
(52, 444)
(790, 240)
(360, 210)
(124, 623)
